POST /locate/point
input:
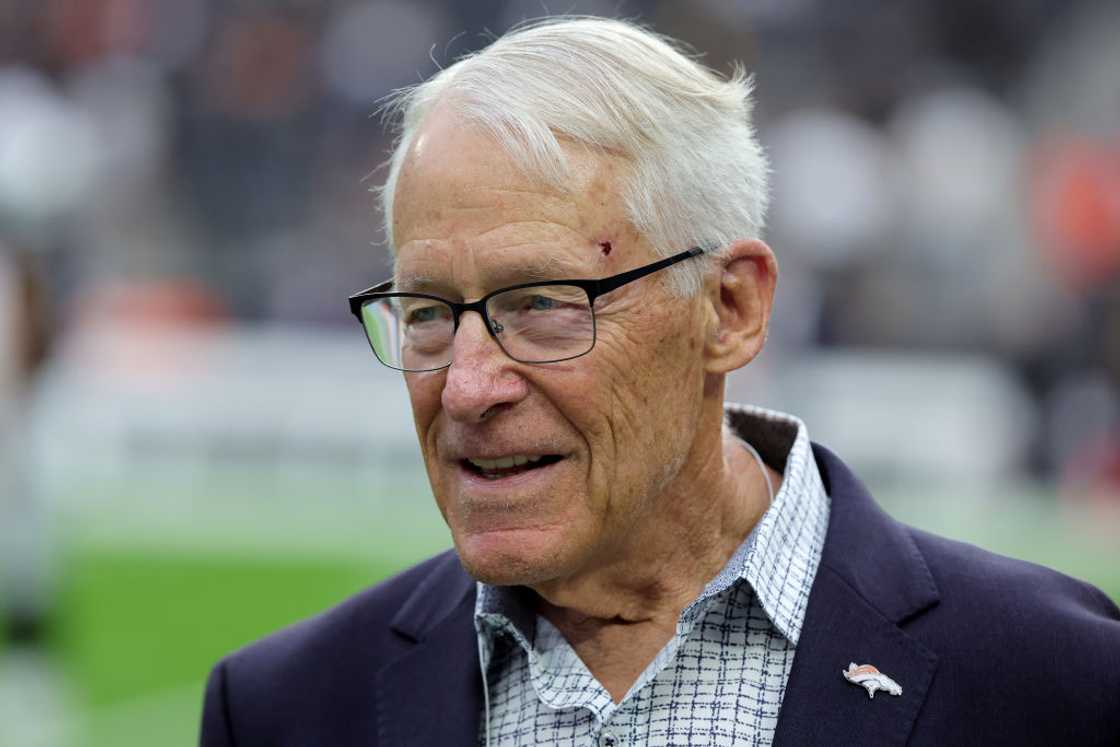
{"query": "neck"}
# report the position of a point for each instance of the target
(695, 525)
(620, 613)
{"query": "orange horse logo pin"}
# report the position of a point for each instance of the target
(870, 679)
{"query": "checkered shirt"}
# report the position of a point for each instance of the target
(721, 679)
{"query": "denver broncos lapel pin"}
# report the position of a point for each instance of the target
(870, 679)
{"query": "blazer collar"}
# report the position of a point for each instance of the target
(432, 694)
(438, 595)
(872, 579)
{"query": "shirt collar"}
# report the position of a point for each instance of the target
(779, 558)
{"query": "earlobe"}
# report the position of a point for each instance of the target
(741, 298)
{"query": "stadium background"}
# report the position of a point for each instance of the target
(198, 448)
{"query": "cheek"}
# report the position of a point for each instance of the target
(617, 405)
(642, 372)
(645, 431)
(424, 392)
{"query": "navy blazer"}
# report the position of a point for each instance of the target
(988, 651)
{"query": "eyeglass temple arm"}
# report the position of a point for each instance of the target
(356, 299)
(606, 285)
(381, 287)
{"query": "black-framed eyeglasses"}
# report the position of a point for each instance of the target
(541, 322)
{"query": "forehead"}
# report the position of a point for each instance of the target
(460, 198)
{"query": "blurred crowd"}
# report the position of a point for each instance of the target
(947, 175)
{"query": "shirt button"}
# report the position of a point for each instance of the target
(606, 739)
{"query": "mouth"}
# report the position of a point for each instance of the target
(507, 466)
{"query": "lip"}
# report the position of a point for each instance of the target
(506, 453)
(477, 484)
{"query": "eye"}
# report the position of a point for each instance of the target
(541, 303)
(421, 314)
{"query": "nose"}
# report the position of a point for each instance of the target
(481, 379)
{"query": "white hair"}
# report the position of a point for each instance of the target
(698, 175)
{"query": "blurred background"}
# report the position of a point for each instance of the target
(197, 447)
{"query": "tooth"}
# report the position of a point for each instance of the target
(515, 460)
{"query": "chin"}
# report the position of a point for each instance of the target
(509, 558)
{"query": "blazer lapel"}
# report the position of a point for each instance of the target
(432, 694)
(871, 579)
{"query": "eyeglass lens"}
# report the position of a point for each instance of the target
(540, 324)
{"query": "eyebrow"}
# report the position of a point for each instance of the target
(520, 270)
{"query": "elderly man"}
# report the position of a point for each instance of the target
(575, 214)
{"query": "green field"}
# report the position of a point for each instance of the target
(138, 623)
(139, 631)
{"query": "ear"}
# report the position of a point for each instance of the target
(740, 297)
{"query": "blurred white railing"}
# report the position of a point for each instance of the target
(221, 429)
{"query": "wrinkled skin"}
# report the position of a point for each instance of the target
(648, 501)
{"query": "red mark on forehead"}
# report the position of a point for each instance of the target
(606, 248)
